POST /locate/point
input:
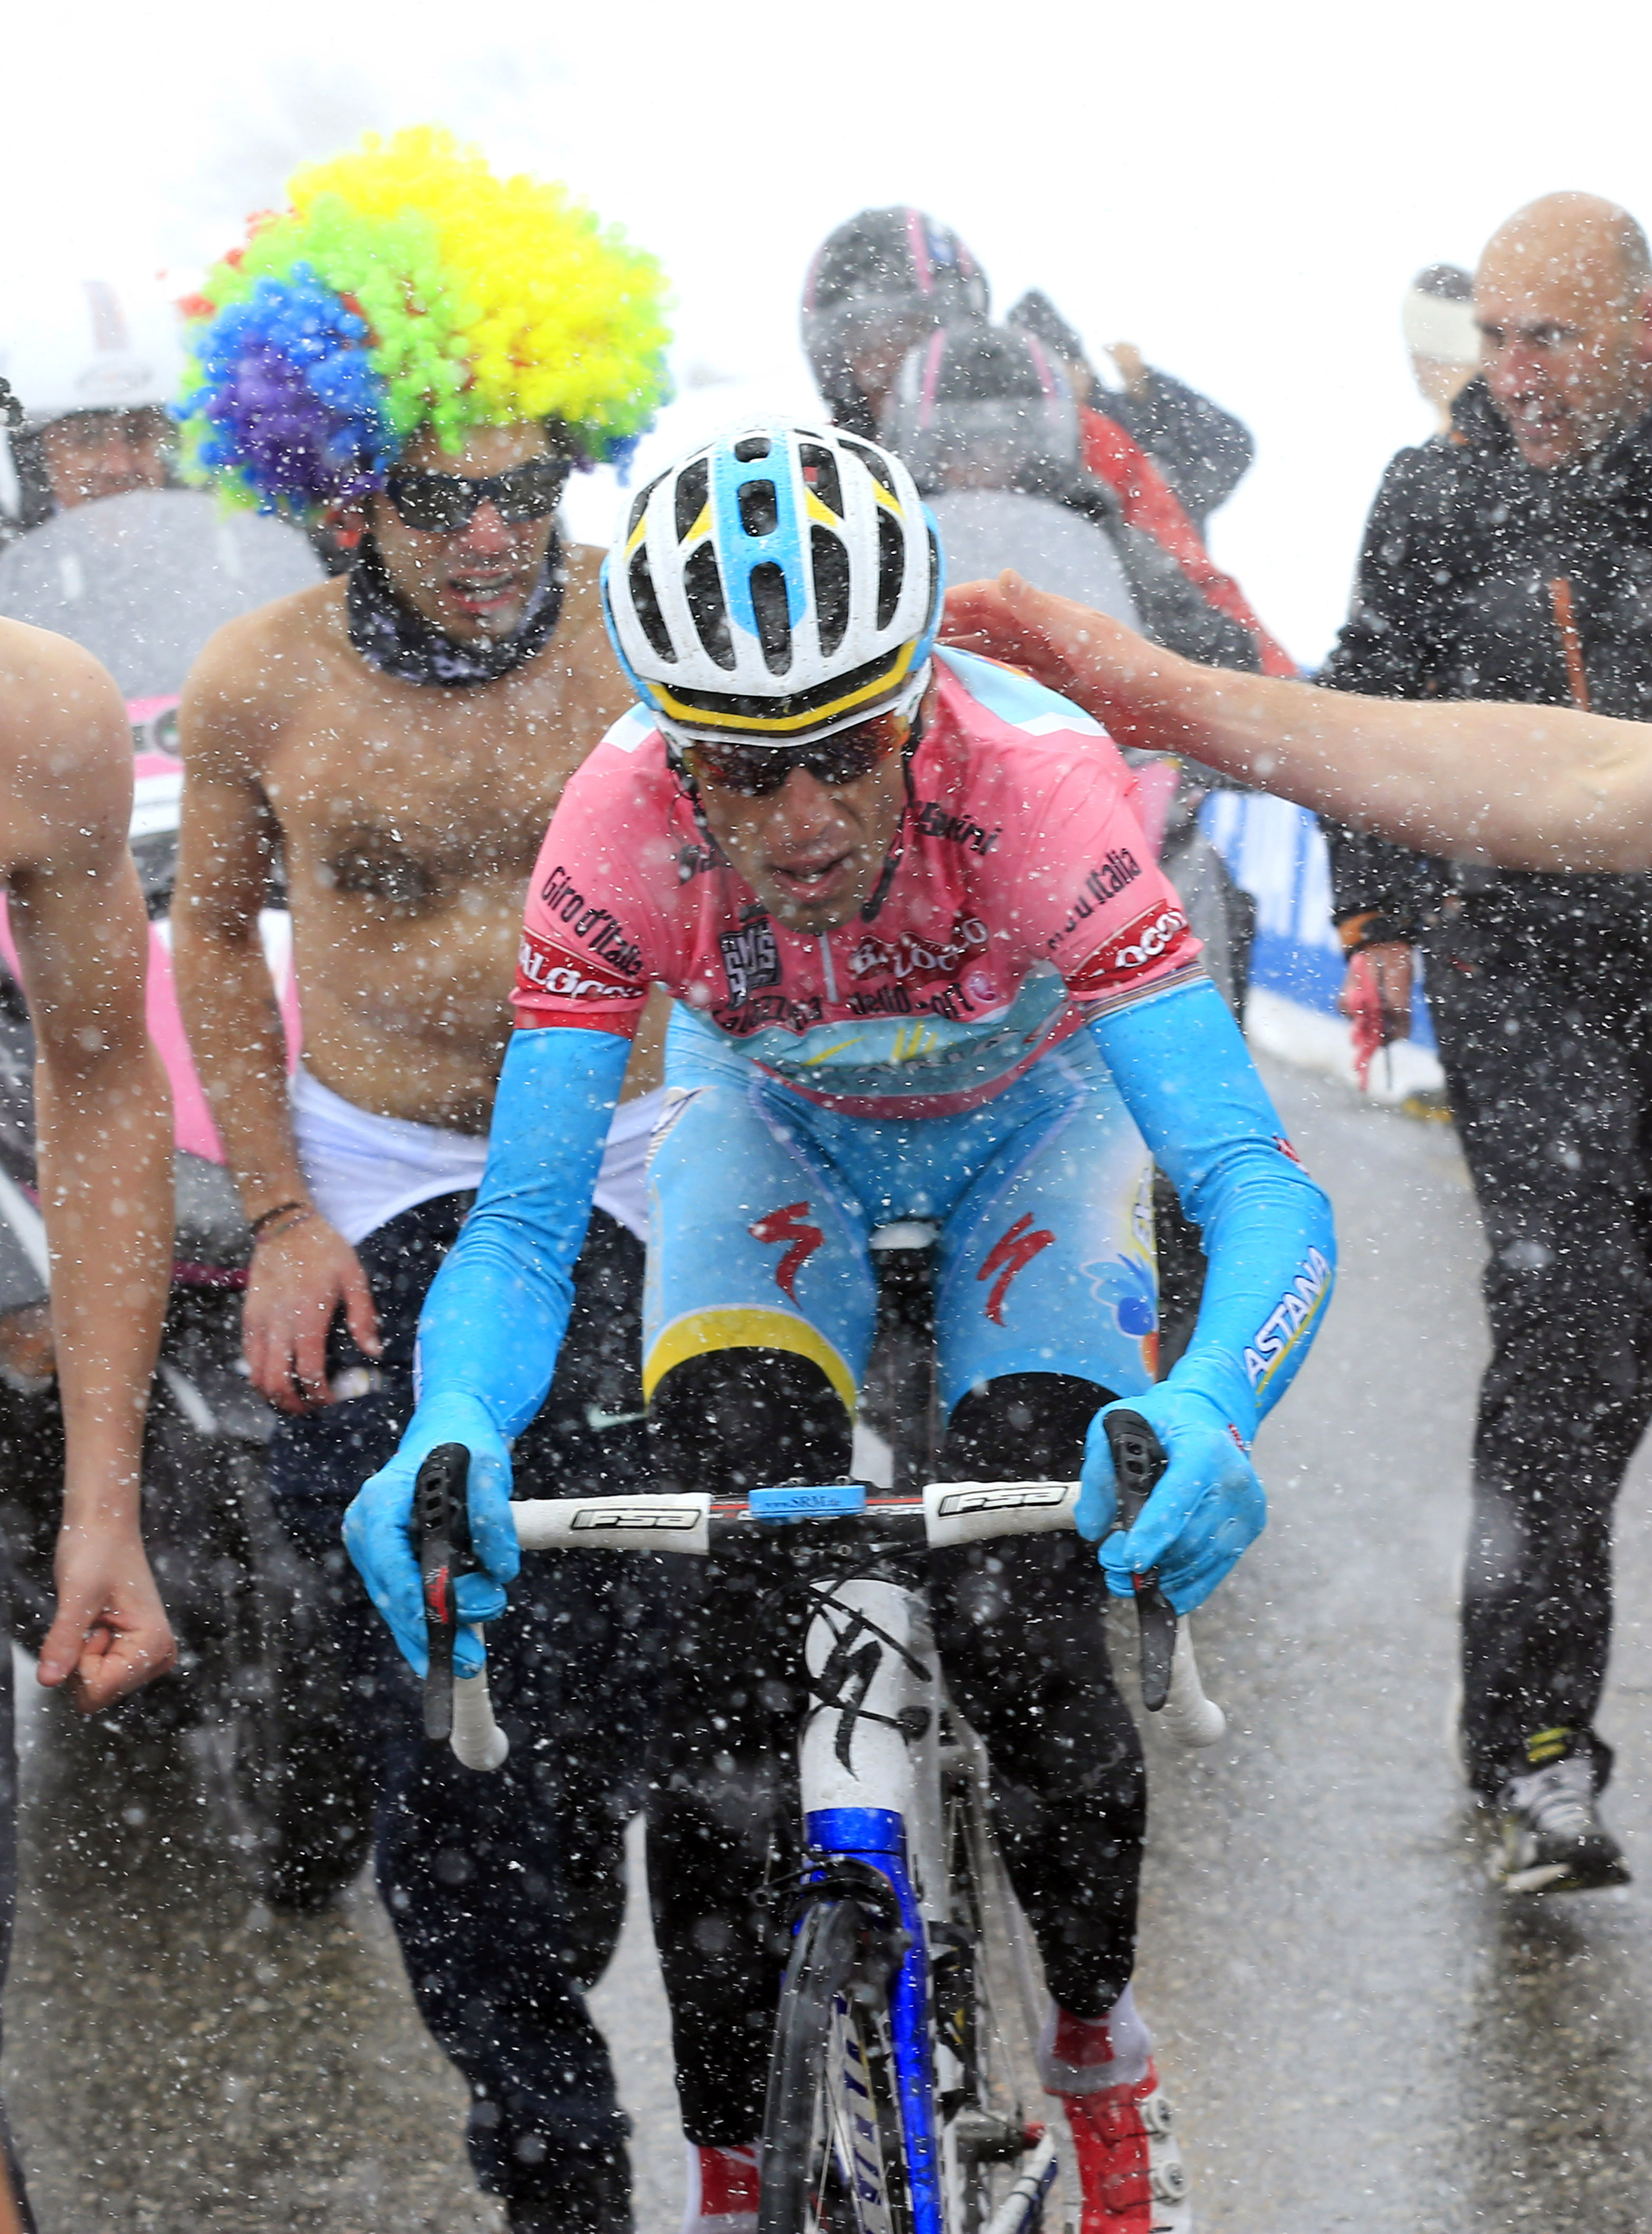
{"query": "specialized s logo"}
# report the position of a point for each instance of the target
(802, 1239)
(1009, 1254)
(1275, 1339)
(542, 968)
(751, 958)
(1152, 935)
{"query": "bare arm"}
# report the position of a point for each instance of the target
(1523, 786)
(302, 1269)
(104, 1120)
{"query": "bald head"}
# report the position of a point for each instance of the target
(1564, 298)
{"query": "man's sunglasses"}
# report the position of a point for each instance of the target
(758, 771)
(440, 504)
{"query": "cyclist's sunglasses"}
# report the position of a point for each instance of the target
(440, 504)
(758, 771)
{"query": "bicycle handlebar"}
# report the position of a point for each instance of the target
(696, 1525)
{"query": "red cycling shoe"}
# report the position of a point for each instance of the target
(1130, 2170)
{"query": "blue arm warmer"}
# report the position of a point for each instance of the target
(496, 1313)
(1186, 1076)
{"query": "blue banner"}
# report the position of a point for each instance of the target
(1276, 851)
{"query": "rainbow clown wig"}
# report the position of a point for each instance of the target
(408, 286)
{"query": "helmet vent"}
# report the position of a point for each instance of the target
(820, 472)
(760, 508)
(647, 606)
(831, 588)
(692, 485)
(708, 607)
(639, 505)
(774, 615)
(875, 463)
(750, 448)
(891, 567)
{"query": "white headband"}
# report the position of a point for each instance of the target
(1436, 328)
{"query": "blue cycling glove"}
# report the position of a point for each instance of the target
(377, 1531)
(1207, 1508)
(493, 1324)
(1181, 1063)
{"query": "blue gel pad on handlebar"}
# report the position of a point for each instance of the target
(777, 1507)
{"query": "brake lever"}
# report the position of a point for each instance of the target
(441, 1526)
(1139, 1460)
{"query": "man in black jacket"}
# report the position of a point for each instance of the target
(1514, 560)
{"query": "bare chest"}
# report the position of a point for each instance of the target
(404, 813)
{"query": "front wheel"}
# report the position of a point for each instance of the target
(832, 2158)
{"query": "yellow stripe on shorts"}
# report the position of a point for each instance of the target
(743, 1326)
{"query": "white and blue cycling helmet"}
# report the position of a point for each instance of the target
(779, 583)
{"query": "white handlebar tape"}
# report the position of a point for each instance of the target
(969, 1511)
(1187, 1714)
(478, 1741)
(668, 1522)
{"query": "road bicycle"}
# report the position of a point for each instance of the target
(911, 1998)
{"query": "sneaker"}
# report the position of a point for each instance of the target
(1552, 1839)
(1130, 2169)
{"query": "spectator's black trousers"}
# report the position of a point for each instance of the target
(1543, 1025)
(506, 1890)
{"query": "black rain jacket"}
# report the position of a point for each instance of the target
(1483, 578)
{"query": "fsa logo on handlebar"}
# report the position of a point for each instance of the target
(1002, 1500)
(607, 1515)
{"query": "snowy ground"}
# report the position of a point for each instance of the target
(1361, 2033)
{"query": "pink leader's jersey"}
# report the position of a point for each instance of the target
(1025, 900)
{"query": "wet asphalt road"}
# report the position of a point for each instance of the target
(1360, 2032)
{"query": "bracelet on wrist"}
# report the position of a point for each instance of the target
(282, 1217)
(255, 1226)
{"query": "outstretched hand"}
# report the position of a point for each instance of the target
(111, 1634)
(1100, 664)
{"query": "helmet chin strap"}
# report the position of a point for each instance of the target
(898, 843)
(690, 790)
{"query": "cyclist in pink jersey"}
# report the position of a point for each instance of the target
(1025, 895)
(924, 966)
